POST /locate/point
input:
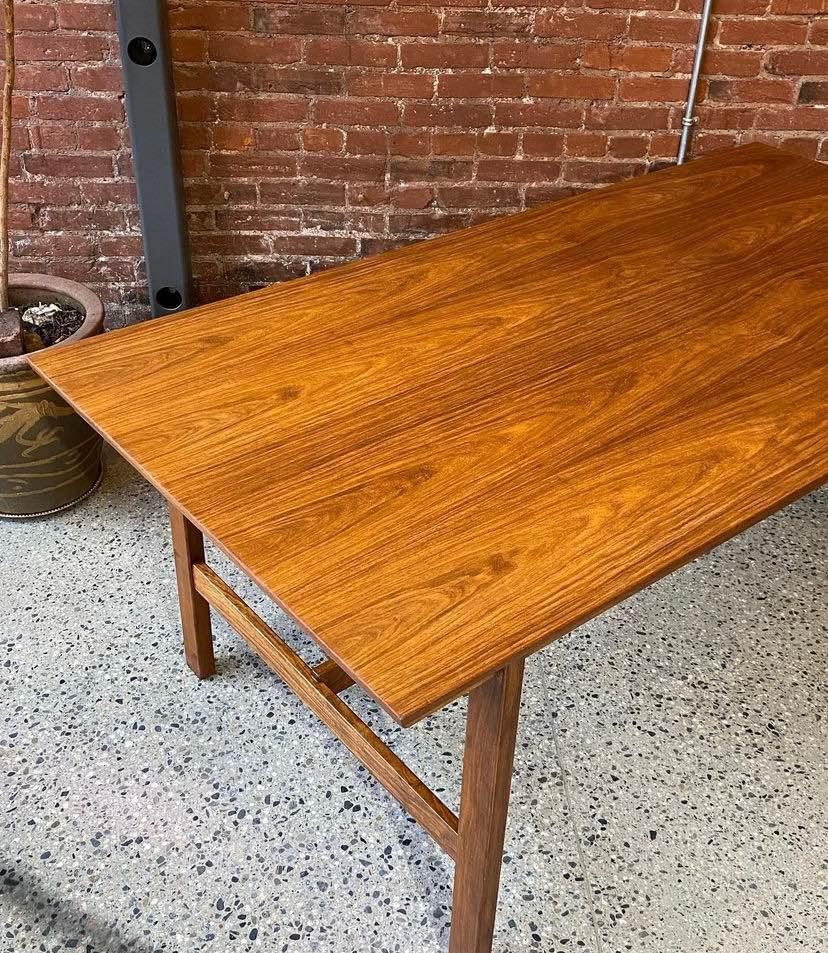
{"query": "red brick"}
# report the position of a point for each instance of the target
(306, 193)
(217, 77)
(478, 196)
(262, 110)
(30, 17)
(188, 47)
(366, 142)
(62, 166)
(429, 169)
(798, 63)
(713, 116)
(800, 118)
(444, 55)
(594, 173)
(474, 115)
(97, 78)
(54, 246)
(41, 77)
(762, 32)
(394, 22)
(410, 143)
(328, 246)
(85, 16)
(480, 86)
(392, 85)
(454, 143)
(651, 89)
(819, 32)
(491, 23)
(630, 4)
(625, 58)
(412, 196)
(788, 7)
(548, 114)
(521, 170)
(663, 29)
(815, 91)
(526, 55)
(98, 138)
(201, 16)
(356, 112)
(628, 117)
(628, 147)
(60, 48)
(233, 137)
(543, 144)
(315, 131)
(323, 140)
(299, 20)
(346, 168)
(277, 139)
(589, 144)
(79, 108)
(242, 164)
(580, 26)
(751, 90)
(564, 86)
(719, 62)
(497, 143)
(238, 48)
(339, 51)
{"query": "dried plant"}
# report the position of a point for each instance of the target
(5, 152)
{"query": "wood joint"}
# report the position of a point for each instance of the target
(317, 689)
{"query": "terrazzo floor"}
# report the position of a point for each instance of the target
(670, 792)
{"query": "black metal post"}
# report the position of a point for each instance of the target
(150, 99)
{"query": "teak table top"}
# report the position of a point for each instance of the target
(440, 459)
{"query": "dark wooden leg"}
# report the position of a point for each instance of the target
(188, 547)
(484, 803)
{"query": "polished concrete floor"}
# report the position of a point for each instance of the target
(670, 791)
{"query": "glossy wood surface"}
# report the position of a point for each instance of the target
(442, 458)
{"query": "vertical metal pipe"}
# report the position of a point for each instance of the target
(688, 120)
(153, 126)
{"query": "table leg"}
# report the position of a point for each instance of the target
(484, 802)
(188, 547)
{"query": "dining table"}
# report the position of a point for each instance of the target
(440, 459)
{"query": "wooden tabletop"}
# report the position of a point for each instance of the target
(440, 459)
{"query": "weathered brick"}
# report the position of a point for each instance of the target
(315, 131)
(442, 55)
(814, 91)
(797, 62)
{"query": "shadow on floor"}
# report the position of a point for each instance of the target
(66, 922)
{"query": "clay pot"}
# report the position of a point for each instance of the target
(49, 457)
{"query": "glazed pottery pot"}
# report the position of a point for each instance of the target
(49, 457)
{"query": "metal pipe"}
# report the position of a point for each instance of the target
(688, 119)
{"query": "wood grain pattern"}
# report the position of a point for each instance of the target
(491, 733)
(392, 773)
(188, 549)
(442, 458)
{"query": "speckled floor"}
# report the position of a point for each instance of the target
(670, 794)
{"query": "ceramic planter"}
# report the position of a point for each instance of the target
(50, 458)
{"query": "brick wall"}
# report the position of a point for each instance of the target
(314, 132)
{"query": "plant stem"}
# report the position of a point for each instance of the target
(5, 153)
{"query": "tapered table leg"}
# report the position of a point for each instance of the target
(484, 803)
(188, 547)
